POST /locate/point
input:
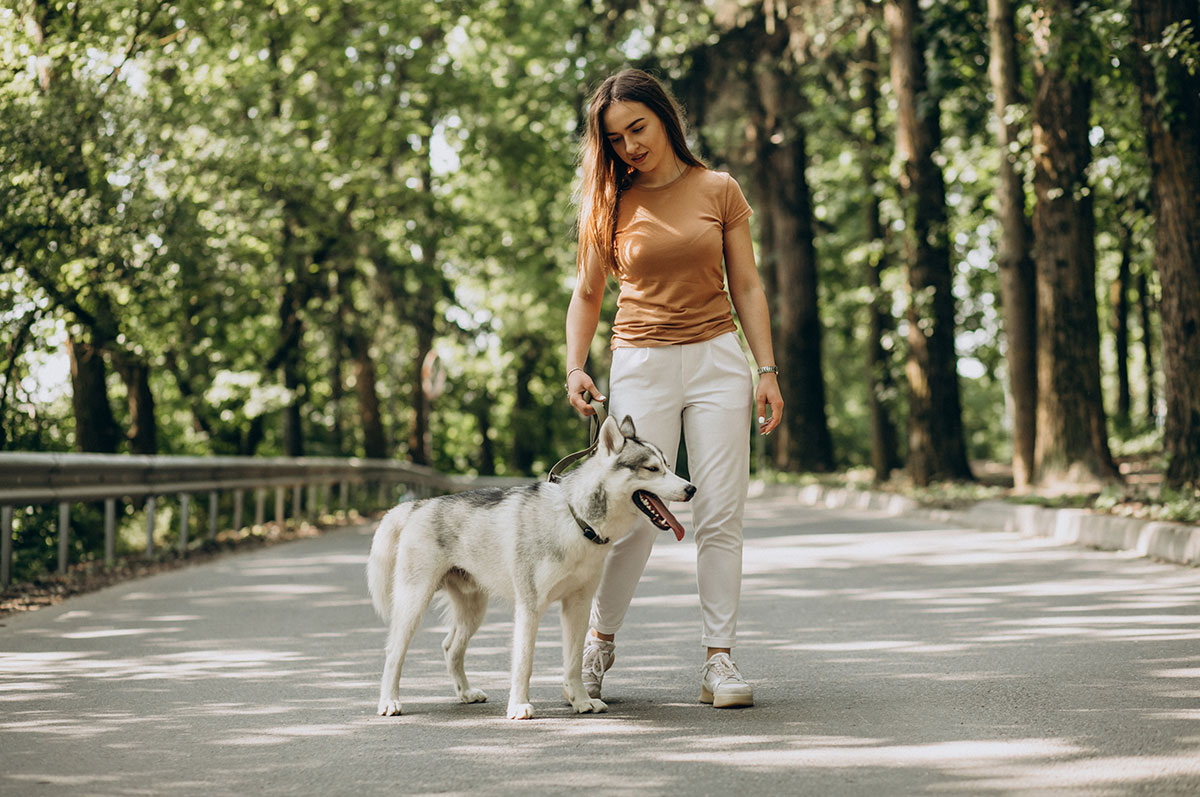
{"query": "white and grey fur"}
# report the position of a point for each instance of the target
(521, 544)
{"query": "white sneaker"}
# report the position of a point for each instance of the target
(723, 685)
(598, 656)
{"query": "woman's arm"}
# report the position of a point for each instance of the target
(583, 315)
(750, 302)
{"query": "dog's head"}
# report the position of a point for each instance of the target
(644, 469)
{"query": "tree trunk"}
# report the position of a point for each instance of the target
(527, 423)
(420, 442)
(1072, 443)
(768, 257)
(95, 428)
(374, 439)
(358, 344)
(423, 308)
(1145, 312)
(1120, 325)
(481, 408)
(809, 444)
(881, 384)
(16, 346)
(782, 151)
(337, 388)
(1170, 90)
(143, 428)
(291, 329)
(936, 445)
(1018, 279)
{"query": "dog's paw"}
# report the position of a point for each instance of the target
(520, 711)
(389, 708)
(590, 706)
(473, 696)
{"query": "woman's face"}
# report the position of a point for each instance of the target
(638, 137)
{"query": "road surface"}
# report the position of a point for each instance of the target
(889, 656)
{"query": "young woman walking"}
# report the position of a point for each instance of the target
(673, 234)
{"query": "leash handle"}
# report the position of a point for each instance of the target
(594, 424)
(596, 420)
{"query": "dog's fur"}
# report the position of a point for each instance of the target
(521, 544)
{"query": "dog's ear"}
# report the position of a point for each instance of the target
(611, 439)
(627, 427)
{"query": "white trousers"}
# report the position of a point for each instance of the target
(705, 390)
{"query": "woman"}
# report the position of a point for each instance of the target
(660, 222)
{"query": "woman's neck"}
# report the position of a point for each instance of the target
(665, 175)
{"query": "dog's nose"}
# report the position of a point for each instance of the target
(689, 491)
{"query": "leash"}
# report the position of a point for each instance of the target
(594, 424)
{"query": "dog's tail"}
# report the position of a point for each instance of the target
(381, 563)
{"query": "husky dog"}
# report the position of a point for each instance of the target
(532, 545)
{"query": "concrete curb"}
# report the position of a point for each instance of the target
(1171, 542)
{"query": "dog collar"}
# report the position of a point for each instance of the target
(589, 533)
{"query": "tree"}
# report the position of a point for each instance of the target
(885, 456)
(1072, 441)
(1018, 280)
(778, 106)
(77, 210)
(1168, 35)
(936, 446)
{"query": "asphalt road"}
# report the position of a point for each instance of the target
(890, 656)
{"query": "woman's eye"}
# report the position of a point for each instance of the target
(639, 129)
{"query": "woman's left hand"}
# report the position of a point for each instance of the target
(767, 394)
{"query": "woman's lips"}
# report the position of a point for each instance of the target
(637, 159)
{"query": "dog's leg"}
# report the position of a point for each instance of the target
(525, 627)
(575, 608)
(408, 604)
(466, 614)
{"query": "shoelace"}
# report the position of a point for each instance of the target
(593, 659)
(724, 668)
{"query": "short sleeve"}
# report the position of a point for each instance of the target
(591, 272)
(737, 209)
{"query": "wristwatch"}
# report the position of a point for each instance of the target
(768, 369)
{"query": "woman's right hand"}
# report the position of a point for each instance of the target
(579, 387)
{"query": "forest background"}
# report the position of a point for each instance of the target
(308, 227)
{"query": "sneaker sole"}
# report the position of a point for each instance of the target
(726, 701)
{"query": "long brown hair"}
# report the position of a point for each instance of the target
(605, 175)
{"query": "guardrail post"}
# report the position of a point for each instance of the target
(238, 497)
(110, 530)
(150, 502)
(260, 498)
(279, 515)
(297, 509)
(344, 495)
(64, 536)
(212, 516)
(185, 503)
(313, 511)
(6, 526)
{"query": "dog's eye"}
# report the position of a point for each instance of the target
(652, 468)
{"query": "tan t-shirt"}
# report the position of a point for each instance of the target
(670, 251)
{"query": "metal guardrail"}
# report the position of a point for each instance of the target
(29, 479)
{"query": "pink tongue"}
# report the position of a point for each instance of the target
(661, 508)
